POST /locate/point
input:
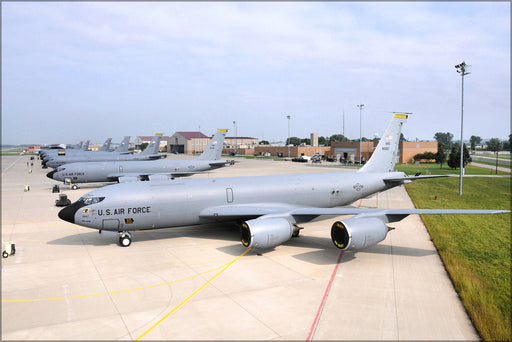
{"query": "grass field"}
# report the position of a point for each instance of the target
(475, 249)
(434, 169)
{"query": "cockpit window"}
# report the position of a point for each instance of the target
(60, 168)
(90, 200)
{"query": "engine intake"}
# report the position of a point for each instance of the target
(266, 233)
(358, 233)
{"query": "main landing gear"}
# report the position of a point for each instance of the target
(125, 239)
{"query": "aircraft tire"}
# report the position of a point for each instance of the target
(125, 241)
(5, 254)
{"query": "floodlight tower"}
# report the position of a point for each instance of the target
(361, 106)
(236, 143)
(462, 69)
(288, 141)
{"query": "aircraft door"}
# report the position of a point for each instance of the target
(120, 168)
(229, 195)
(110, 224)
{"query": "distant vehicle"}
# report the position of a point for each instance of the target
(300, 159)
(269, 208)
(124, 171)
(150, 153)
(62, 201)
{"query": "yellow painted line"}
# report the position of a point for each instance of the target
(192, 295)
(120, 291)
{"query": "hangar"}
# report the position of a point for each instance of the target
(187, 142)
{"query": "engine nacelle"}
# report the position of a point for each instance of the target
(358, 233)
(266, 233)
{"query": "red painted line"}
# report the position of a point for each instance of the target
(315, 322)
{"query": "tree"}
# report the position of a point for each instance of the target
(293, 141)
(495, 145)
(440, 155)
(264, 142)
(305, 141)
(474, 140)
(444, 138)
(337, 138)
(454, 157)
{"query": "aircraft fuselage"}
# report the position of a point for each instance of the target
(162, 204)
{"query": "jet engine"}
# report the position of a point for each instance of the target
(358, 233)
(266, 233)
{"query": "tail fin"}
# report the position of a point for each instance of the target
(385, 154)
(106, 145)
(123, 146)
(214, 148)
(85, 146)
(153, 146)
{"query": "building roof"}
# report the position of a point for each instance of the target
(192, 135)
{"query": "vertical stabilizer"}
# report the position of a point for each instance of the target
(106, 145)
(85, 146)
(153, 146)
(123, 146)
(214, 149)
(385, 155)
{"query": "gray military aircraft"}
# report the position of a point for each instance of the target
(123, 171)
(150, 153)
(45, 155)
(268, 207)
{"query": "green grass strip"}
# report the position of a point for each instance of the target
(475, 249)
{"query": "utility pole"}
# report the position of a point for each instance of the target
(361, 106)
(236, 142)
(461, 69)
(288, 141)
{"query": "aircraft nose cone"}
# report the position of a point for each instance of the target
(68, 213)
(50, 174)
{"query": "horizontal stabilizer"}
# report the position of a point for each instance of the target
(411, 178)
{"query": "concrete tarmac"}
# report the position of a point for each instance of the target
(67, 282)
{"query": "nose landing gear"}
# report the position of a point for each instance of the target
(125, 239)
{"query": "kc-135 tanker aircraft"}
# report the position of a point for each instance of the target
(268, 207)
(125, 171)
(46, 154)
(150, 153)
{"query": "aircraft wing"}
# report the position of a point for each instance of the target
(408, 179)
(131, 177)
(305, 214)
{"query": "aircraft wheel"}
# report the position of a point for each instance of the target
(125, 241)
(5, 254)
(74, 187)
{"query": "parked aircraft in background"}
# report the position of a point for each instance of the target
(46, 154)
(123, 171)
(106, 145)
(150, 153)
(269, 207)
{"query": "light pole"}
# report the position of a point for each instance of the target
(361, 106)
(236, 142)
(461, 69)
(288, 141)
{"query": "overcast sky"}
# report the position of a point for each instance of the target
(75, 71)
